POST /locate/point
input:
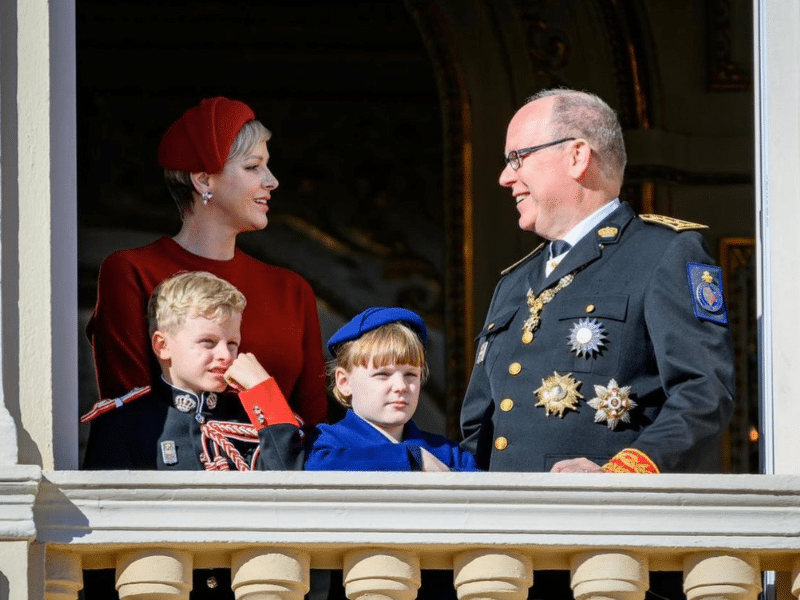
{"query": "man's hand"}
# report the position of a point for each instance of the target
(245, 372)
(576, 465)
(431, 464)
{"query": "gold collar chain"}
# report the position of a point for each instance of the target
(535, 305)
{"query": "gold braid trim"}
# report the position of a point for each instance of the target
(630, 460)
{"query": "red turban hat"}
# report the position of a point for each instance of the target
(201, 139)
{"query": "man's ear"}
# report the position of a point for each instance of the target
(160, 345)
(342, 379)
(200, 182)
(580, 157)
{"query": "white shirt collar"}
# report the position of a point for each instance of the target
(581, 229)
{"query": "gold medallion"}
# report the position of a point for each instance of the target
(558, 393)
(535, 306)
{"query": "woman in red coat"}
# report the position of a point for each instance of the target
(216, 168)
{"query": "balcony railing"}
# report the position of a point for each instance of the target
(492, 529)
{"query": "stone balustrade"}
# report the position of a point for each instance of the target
(493, 530)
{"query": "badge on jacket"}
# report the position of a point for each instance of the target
(705, 286)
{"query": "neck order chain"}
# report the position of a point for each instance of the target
(535, 305)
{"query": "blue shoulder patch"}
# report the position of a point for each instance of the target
(705, 287)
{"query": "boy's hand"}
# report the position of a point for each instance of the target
(245, 372)
(431, 464)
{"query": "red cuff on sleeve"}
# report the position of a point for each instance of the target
(630, 460)
(265, 405)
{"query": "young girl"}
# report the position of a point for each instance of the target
(379, 367)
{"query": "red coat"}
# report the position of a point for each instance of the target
(280, 325)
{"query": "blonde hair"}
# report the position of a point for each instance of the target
(393, 343)
(192, 294)
(179, 183)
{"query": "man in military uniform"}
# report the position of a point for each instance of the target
(607, 348)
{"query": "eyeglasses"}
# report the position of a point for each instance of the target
(514, 158)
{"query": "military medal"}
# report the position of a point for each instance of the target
(185, 403)
(169, 454)
(558, 393)
(612, 404)
(536, 304)
(586, 337)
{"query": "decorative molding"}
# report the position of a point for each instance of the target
(19, 485)
(549, 47)
(457, 163)
(335, 512)
(725, 74)
(665, 174)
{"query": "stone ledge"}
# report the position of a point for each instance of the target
(18, 487)
(553, 515)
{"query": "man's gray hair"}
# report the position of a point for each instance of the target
(585, 115)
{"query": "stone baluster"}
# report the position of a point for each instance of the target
(270, 575)
(795, 583)
(154, 574)
(713, 576)
(491, 575)
(609, 576)
(63, 576)
(381, 574)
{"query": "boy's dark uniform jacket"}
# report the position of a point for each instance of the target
(151, 433)
(655, 298)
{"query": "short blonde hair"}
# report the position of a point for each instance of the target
(192, 294)
(179, 183)
(393, 343)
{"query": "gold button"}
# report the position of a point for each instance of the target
(590, 308)
(527, 337)
(514, 368)
(490, 326)
(501, 443)
(506, 405)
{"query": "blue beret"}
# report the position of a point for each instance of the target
(375, 317)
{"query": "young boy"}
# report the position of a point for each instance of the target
(186, 421)
(377, 373)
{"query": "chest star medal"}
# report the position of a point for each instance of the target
(613, 404)
(557, 394)
(586, 337)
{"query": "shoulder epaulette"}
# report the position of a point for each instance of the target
(525, 258)
(101, 407)
(672, 223)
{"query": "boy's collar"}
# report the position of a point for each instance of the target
(187, 401)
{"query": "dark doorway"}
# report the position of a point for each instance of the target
(350, 94)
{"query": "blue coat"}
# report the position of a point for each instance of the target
(632, 281)
(352, 444)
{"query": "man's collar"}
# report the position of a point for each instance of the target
(588, 224)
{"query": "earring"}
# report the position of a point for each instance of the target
(207, 196)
